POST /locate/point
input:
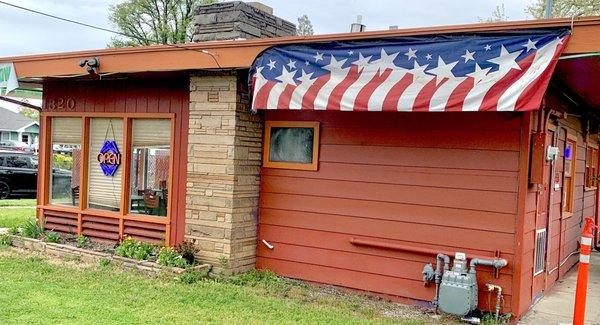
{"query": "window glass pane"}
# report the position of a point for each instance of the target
(291, 145)
(105, 172)
(150, 157)
(66, 160)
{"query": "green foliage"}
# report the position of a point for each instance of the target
(565, 8)
(104, 262)
(490, 319)
(188, 251)
(169, 257)
(132, 248)
(5, 240)
(32, 230)
(62, 161)
(499, 14)
(191, 276)
(81, 241)
(150, 22)
(52, 237)
(30, 113)
(18, 203)
(305, 27)
(15, 216)
(14, 230)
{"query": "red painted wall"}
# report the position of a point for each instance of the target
(446, 181)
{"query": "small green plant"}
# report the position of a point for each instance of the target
(104, 262)
(5, 240)
(132, 248)
(52, 237)
(32, 230)
(223, 262)
(169, 257)
(13, 230)
(81, 241)
(490, 319)
(188, 251)
(191, 276)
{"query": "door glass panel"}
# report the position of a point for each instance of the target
(66, 160)
(151, 153)
(104, 163)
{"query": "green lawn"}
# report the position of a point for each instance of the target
(18, 203)
(37, 291)
(11, 217)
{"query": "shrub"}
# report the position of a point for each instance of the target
(104, 262)
(32, 230)
(169, 257)
(5, 240)
(62, 161)
(81, 241)
(188, 251)
(132, 248)
(52, 237)
(13, 230)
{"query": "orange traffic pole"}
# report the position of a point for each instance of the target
(582, 272)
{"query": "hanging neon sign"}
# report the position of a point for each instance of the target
(109, 158)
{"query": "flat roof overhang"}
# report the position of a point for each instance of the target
(241, 53)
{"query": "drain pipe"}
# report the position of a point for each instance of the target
(438, 275)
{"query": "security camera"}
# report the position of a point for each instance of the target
(93, 62)
(83, 62)
(90, 65)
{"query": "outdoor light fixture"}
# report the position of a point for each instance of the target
(91, 65)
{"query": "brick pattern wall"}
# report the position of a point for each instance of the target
(234, 20)
(224, 157)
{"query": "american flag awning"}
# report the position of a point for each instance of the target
(475, 72)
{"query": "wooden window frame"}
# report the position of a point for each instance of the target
(313, 166)
(567, 208)
(81, 210)
(591, 167)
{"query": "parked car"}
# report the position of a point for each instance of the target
(14, 145)
(18, 174)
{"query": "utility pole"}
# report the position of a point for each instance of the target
(549, 4)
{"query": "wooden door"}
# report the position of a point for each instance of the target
(541, 225)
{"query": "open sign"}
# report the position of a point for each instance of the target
(109, 158)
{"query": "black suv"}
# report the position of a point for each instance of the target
(18, 174)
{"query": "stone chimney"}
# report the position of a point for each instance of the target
(238, 20)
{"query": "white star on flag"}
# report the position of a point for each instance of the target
(287, 77)
(468, 56)
(487, 47)
(507, 60)
(318, 57)
(386, 61)
(306, 63)
(271, 64)
(350, 52)
(443, 70)
(335, 65)
(411, 54)
(479, 73)
(258, 72)
(362, 62)
(530, 45)
(418, 71)
(291, 64)
(305, 77)
(428, 56)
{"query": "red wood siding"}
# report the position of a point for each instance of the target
(444, 181)
(148, 94)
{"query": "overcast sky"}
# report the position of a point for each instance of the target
(26, 33)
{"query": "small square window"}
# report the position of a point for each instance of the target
(291, 145)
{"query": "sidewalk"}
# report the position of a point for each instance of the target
(556, 307)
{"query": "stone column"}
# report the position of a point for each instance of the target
(224, 158)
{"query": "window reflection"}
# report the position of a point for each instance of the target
(66, 161)
(150, 159)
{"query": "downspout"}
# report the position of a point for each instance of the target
(550, 204)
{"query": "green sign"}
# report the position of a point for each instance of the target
(8, 78)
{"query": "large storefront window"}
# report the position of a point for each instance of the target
(150, 160)
(104, 163)
(66, 160)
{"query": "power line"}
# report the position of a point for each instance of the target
(108, 30)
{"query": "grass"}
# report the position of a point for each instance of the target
(38, 291)
(16, 212)
(18, 203)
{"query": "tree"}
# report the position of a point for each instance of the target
(565, 8)
(153, 21)
(499, 14)
(305, 27)
(30, 113)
